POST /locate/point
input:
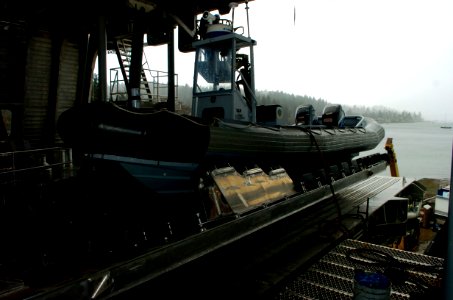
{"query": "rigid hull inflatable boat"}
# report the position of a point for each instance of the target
(170, 152)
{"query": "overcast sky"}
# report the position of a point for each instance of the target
(392, 53)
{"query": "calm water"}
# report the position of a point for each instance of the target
(423, 150)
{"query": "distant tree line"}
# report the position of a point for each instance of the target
(385, 115)
(290, 102)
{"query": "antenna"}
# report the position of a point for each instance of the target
(247, 10)
(232, 5)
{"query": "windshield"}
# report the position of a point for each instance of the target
(213, 70)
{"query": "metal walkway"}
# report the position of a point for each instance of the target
(332, 277)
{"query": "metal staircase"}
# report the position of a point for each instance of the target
(153, 85)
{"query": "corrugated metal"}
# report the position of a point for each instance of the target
(67, 84)
(37, 87)
(38, 72)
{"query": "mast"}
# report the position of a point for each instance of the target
(252, 69)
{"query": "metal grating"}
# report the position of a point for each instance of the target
(332, 277)
(358, 193)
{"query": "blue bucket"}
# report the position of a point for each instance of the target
(371, 285)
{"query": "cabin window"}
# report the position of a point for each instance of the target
(214, 70)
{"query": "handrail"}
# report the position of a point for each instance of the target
(158, 82)
(27, 161)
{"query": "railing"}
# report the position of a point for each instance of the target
(35, 166)
(156, 80)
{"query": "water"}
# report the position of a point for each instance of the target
(423, 150)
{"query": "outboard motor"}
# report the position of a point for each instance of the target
(305, 115)
(332, 115)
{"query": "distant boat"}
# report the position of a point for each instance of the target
(445, 127)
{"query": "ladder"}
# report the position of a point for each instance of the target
(153, 85)
(123, 49)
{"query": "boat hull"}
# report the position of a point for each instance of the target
(169, 152)
(243, 139)
(166, 178)
(105, 128)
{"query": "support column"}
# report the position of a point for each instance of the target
(102, 59)
(171, 70)
(136, 62)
